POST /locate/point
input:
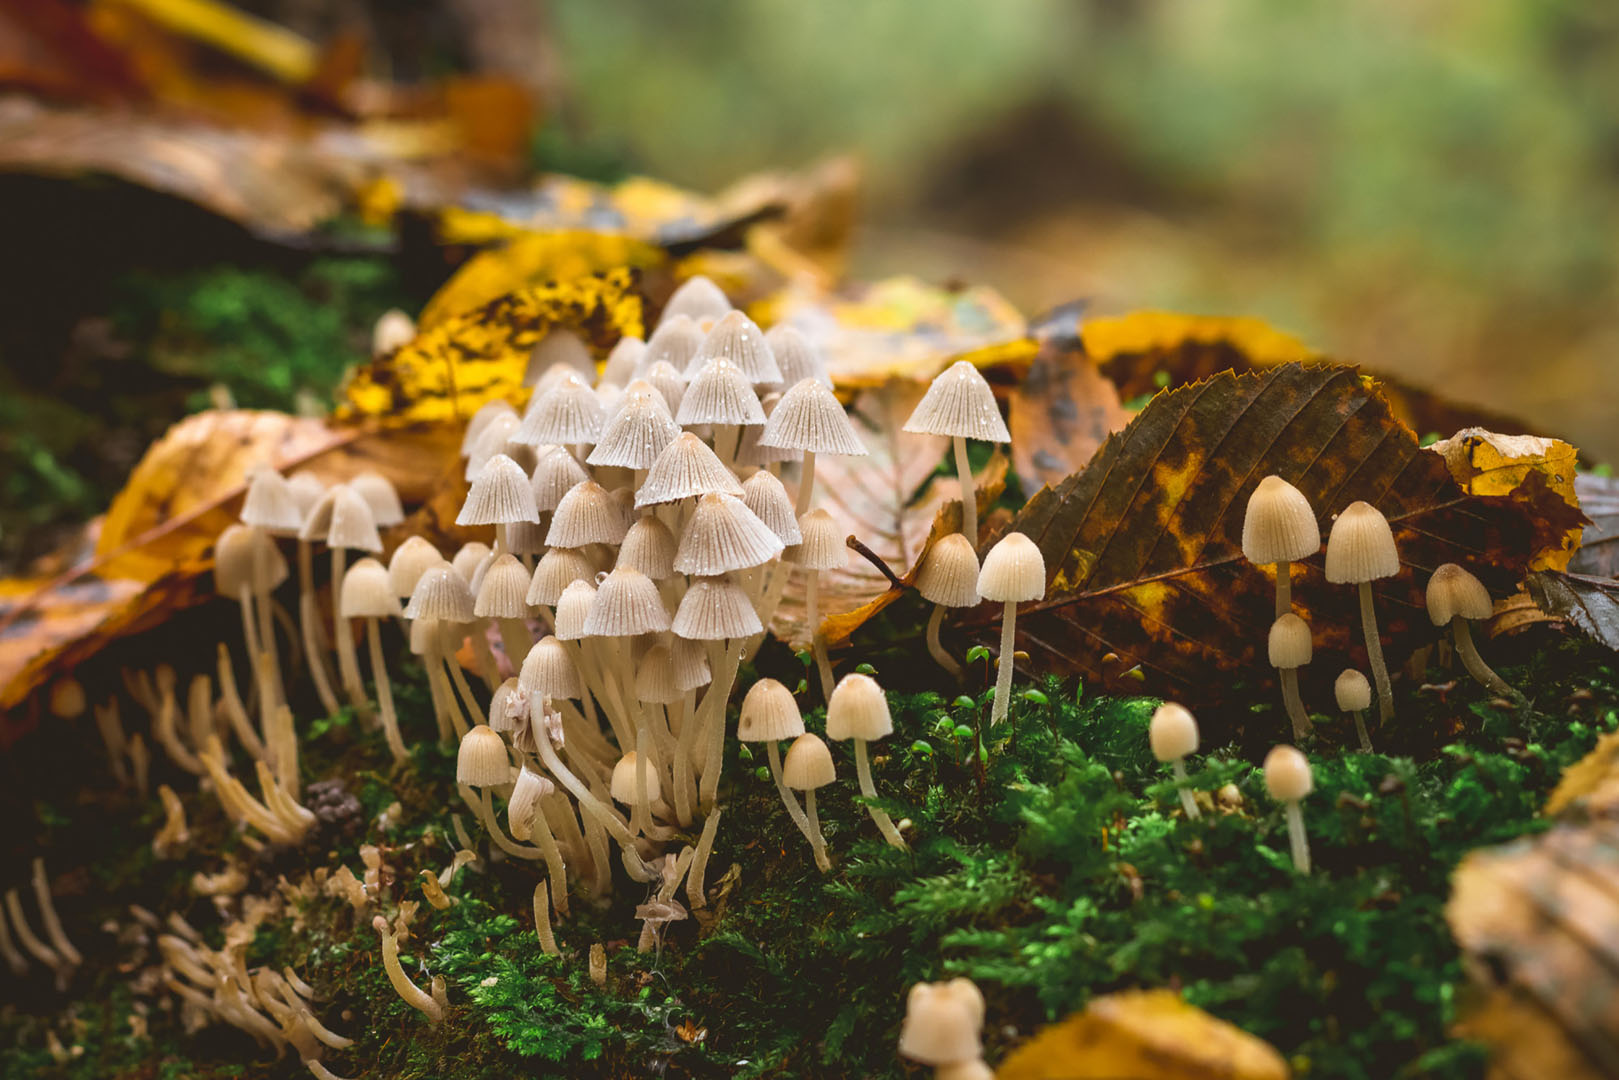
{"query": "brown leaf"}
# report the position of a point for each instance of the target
(1487, 463)
(1593, 780)
(1599, 547)
(1061, 412)
(1590, 603)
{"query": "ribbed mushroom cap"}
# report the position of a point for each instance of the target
(675, 342)
(556, 472)
(623, 783)
(500, 493)
(569, 412)
(720, 393)
(822, 546)
(622, 361)
(352, 526)
(655, 677)
(769, 714)
(246, 555)
(697, 299)
(808, 764)
(959, 402)
(504, 709)
(940, 1027)
(1289, 645)
(379, 494)
(271, 505)
(481, 761)
(525, 537)
(810, 418)
(366, 592)
(548, 671)
(715, 609)
(686, 468)
(1454, 593)
(949, 572)
(690, 658)
(1287, 774)
(392, 329)
(475, 582)
(637, 432)
(1352, 691)
(425, 635)
(737, 339)
(307, 488)
(668, 382)
(724, 535)
(495, 438)
(1360, 546)
(627, 603)
(587, 514)
(611, 396)
(503, 590)
(441, 595)
(573, 608)
(1014, 571)
(749, 451)
(795, 356)
(649, 547)
(1172, 733)
(559, 348)
(1278, 525)
(764, 494)
(318, 521)
(468, 557)
(481, 419)
(527, 793)
(410, 561)
(557, 569)
(858, 709)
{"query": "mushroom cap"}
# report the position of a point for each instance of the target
(941, 1025)
(495, 438)
(1352, 691)
(367, 593)
(697, 299)
(503, 590)
(481, 419)
(271, 504)
(948, 575)
(1454, 593)
(442, 595)
(1172, 733)
(524, 803)
(411, 559)
(764, 494)
(623, 782)
(557, 569)
(1014, 571)
(573, 608)
(504, 714)
(559, 350)
(655, 677)
(244, 555)
(769, 714)
(569, 412)
(720, 392)
(686, 468)
(468, 557)
(556, 472)
(750, 451)
(548, 672)
(500, 493)
(637, 433)
(343, 520)
(627, 603)
(1360, 546)
(481, 760)
(692, 669)
(307, 488)
(809, 417)
(723, 535)
(1287, 774)
(959, 402)
(649, 547)
(668, 382)
(392, 329)
(808, 764)
(715, 609)
(738, 339)
(796, 357)
(587, 514)
(858, 709)
(674, 342)
(822, 546)
(1278, 525)
(381, 496)
(1289, 645)
(623, 360)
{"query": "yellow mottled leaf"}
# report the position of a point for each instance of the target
(535, 259)
(1487, 463)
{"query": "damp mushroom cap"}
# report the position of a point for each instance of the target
(959, 403)
(649, 547)
(948, 575)
(548, 671)
(623, 360)
(573, 608)
(769, 714)
(697, 299)
(808, 764)
(1287, 774)
(587, 514)
(941, 1026)
(503, 590)
(724, 535)
(1455, 593)
(531, 787)
(500, 493)
(565, 413)
(858, 709)
(481, 760)
(766, 496)
(557, 569)
(692, 669)
(496, 437)
(1289, 645)
(556, 472)
(686, 468)
(468, 557)
(637, 433)
(623, 781)
(367, 592)
(409, 562)
(674, 342)
(1360, 546)
(245, 555)
(307, 488)
(822, 546)
(1173, 732)
(738, 340)
(1014, 571)
(720, 392)
(1352, 691)
(655, 677)
(668, 382)
(810, 418)
(480, 419)
(441, 595)
(1278, 524)
(715, 609)
(627, 603)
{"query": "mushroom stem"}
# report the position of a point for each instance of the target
(235, 711)
(812, 603)
(515, 639)
(885, 824)
(794, 811)
(261, 597)
(542, 920)
(385, 694)
(1374, 653)
(641, 819)
(486, 814)
(944, 659)
(553, 861)
(1188, 804)
(685, 786)
(1360, 729)
(474, 710)
(806, 484)
(817, 841)
(1284, 588)
(1003, 674)
(1482, 673)
(443, 698)
(309, 624)
(1296, 838)
(587, 802)
(47, 916)
(969, 492)
(1302, 725)
(348, 661)
(413, 994)
(718, 692)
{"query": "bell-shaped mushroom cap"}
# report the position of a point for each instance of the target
(1287, 774)
(649, 547)
(481, 760)
(379, 494)
(481, 419)
(675, 342)
(948, 575)
(352, 526)
(271, 505)
(1278, 525)
(468, 557)
(573, 608)
(941, 1027)
(724, 535)
(764, 494)
(525, 537)
(1289, 642)
(668, 382)
(559, 348)
(769, 714)
(587, 514)
(530, 788)
(714, 609)
(858, 709)
(822, 546)
(318, 520)
(622, 361)
(392, 329)
(627, 603)
(655, 677)
(505, 710)
(692, 669)
(737, 339)
(495, 438)
(556, 472)
(1172, 733)
(569, 412)
(548, 671)
(503, 590)
(809, 418)
(410, 561)
(557, 569)
(307, 488)
(244, 555)
(637, 432)
(442, 595)
(1014, 571)
(425, 635)
(796, 357)
(686, 468)
(623, 783)
(749, 451)
(1454, 593)
(959, 402)
(1352, 691)
(697, 299)
(1360, 546)
(808, 764)
(719, 393)
(366, 592)
(500, 493)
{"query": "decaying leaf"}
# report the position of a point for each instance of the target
(1592, 781)
(1143, 551)
(1487, 463)
(1599, 547)
(1143, 1035)
(1590, 603)
(1060, 412)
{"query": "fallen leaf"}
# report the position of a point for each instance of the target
(1143, 1035)
(1592, 781)
(1060, 412)
(1487, 463)
(1599, 547)
(261, 44)
(1590, 603)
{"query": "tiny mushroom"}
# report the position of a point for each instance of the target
(1354, 694)
(1014, 572)
(1360, 550)
(960, 404)
(1290, 649)
(942, 1024)
(769, 714)
(858, 710)
(948, 577)
(809, 766)
(1173, 736)
(1288, 779)
(1279, 529)
(1455, 597)
(367, 594)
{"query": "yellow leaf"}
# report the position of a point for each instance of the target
(1487, 463)
(1593, 780)
(535, 259)
(274, 49)
(1148, 332)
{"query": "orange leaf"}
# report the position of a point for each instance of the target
(1061, 412)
